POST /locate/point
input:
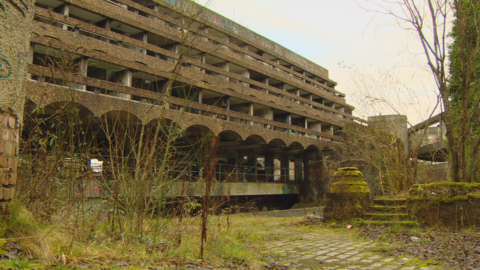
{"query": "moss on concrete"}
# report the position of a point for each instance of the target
(446, 203)
(349, 196)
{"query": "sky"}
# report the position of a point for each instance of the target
(377, 64)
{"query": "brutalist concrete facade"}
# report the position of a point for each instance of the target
(15, 24)
(263, 100)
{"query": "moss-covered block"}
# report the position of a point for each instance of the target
(446, 203)
(349, 196)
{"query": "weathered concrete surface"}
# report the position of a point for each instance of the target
(447, 204)
(15, 24)
(323, 248)
(349, 197)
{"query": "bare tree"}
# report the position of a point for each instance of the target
(431, 21)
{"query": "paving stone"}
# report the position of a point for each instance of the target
(342, 257)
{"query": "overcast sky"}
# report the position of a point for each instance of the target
(366, 54)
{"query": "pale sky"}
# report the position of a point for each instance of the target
(366, 54)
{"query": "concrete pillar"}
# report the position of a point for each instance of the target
(224, 66)
(308, 166)
(227, 106)
(65, 11)
(203, 61)
(285, 166)
(142, 37)
(82, 70)
(299, 169)
(251, 169)
(288, 120)
(316, 126)
(245, 74)
(107, 25)
(15, 30)
(125, 78)
(200, 99)
(269, 167)
(250, 112)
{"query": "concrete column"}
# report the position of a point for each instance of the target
(200, 99)
(285, 167)
(107, 25)
(142, 37)
(65, 11)
(16, 24)
(225, 66)
(82, 70)
(308, 166)
(289, 121)
(298, 169)
(155, 8)
(227, 102)
(269, 167)
(316, 126)
(252, 167)
(126, 79)
(245, 74)
(203, 61)
(250, 112)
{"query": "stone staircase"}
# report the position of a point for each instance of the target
(386, 211)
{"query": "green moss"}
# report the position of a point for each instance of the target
(386, 209)
(350, 189)
(386, 216)
(349, 172)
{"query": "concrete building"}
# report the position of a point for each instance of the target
(273, 110)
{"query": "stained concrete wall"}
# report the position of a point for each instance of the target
(15, 26)
(393, 124)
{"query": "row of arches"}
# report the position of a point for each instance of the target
(227, 133)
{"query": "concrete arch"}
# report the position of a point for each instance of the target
(277, 143)
(51, 108)
(229, 135)
(121, 116)
(312, 147)
(199, 131)
(255, 139)
(296, 145)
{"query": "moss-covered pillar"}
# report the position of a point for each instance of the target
(349, 196)
(15, 32)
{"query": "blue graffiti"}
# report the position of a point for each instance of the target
(4, 64)
(173, 2)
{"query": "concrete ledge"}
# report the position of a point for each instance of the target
(235, 189)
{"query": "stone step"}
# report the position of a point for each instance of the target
(387, 217)
(389, 201)
(405, 223)
(387, 209)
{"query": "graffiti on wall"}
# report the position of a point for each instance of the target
(19, 5)
(5, 68)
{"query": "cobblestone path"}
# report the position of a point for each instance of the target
(338, 249)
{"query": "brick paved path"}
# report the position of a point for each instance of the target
(338, 249)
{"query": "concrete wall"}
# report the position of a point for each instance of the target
(15, 24)
(393, 124)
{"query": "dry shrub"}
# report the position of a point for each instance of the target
(22, 228)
